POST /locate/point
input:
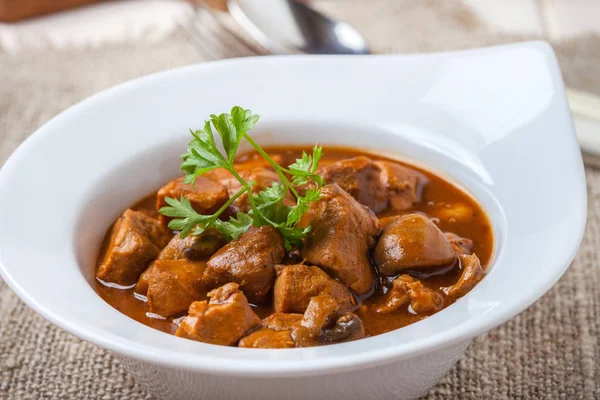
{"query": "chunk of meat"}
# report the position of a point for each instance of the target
(194, 248)
(205, 245)
(282, 321)
(405, 289)
(206, 196)
(175, 249)
(397, 296)
(323, 323)
(135, 241)
(275, 333)
(249, 261)
(424, 300)
(342, 234)
(173, 285)
(141, 286)
(411, 241)
(360, 177)
(404, 185)
(377, 185)
(315, 317)
(224, 320)
(296, 284)
(472, 273)
(261, 173)
(320, 324)
(267, 338)
(460, 245)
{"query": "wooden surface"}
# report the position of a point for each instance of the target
(15, 10)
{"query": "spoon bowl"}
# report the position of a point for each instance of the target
(288, 27)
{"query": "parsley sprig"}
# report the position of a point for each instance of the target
(267, 206)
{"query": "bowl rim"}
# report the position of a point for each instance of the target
(272, 367)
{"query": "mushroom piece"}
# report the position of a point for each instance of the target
(411, 241)
(345, 327)
(471, 275)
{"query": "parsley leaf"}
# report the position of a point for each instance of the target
(267, 206)
(231, 128)
(305, 167)
(302, 206)
(234, 228)
(202, 155)
(293, 236)
(270, 203)
(271, 195)
(185, 216)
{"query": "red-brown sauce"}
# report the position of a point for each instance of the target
(438, 193)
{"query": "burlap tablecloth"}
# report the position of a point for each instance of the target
(549, 351)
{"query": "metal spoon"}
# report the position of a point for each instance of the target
(289, 26)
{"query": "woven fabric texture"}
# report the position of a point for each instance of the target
(549, 351)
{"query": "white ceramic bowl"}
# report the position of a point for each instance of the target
(494, 120)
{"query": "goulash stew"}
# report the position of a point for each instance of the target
(289, 246)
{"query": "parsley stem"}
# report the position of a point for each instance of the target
(288, 184)
(241, 180)
(247, 188)
(267, 206)
(228, 203)
(275, 166)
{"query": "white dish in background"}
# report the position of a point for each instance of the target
(494, 120)
(586, 114)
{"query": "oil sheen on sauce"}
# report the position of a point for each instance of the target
(438, 193)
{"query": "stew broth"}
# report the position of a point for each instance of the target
(437, 196)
